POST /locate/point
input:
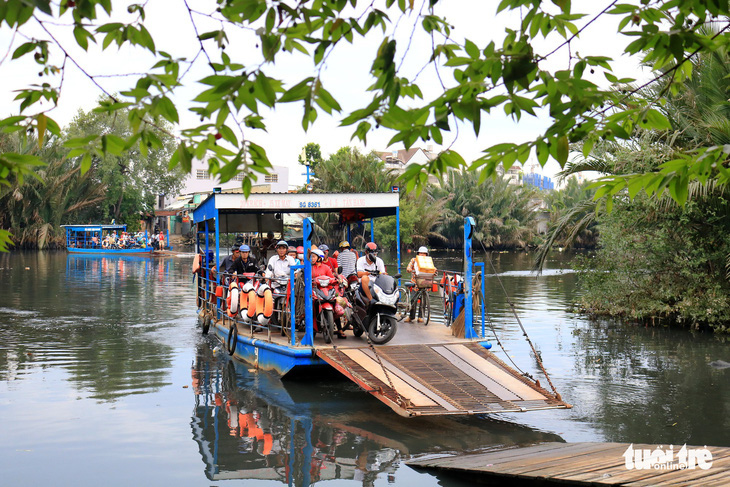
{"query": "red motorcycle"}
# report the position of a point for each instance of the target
(324, 300)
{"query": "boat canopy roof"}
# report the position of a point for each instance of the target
(236, 213)
(93, 228)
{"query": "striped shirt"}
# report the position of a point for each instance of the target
(347, 261)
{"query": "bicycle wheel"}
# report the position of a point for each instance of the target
(403, 306)
(424, 309)
(448, 306)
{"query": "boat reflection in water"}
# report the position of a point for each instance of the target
(252, 425)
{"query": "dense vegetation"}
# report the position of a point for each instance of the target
(659, 262)
(120, 187)
(505, 214)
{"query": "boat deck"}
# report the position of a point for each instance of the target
(424, 370)
(407, 334)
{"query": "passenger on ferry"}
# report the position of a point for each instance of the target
(300, 254)
(231, 264)
(319, 269)
(369, 262)
(247, 264)
(267, 243)
(292, 252)
(346, 259)
(280, 263)
(332, 263)
(423, 252)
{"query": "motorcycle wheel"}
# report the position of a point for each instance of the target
(357, 330)
(327, 323)
(382, 329)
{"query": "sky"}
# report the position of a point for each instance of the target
(345, 74)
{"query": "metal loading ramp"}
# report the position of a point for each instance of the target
(440, 379)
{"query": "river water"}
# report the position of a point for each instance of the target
(105, 379)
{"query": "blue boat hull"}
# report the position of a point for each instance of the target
(74, 250)
(270, 356)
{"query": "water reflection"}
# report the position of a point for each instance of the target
(652, 385)
(252, 425)
(98, 323)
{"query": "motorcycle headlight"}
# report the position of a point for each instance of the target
(384, 298)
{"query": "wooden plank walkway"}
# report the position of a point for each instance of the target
(580, 464)
(422, 379)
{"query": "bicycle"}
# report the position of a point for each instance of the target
(449, 286)
(406, 302)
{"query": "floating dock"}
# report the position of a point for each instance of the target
(586, 464)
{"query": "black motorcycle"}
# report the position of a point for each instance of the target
(377, 316)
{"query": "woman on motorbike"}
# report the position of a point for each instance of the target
(320, 269)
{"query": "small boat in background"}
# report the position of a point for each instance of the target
(106, 239)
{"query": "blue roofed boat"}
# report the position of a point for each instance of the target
(89, 239)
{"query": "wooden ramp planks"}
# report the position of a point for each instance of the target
(421, 379)
(578, 464)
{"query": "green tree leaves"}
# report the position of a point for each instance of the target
(516, 74)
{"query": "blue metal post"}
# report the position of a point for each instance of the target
(207, 264)
(145, 237)
(349, 240)
(308, 226)
(168, 233)
(484, 297)
(308, 451)
(217, 243)
(292, 452)
(372, 230)
(308, 173)
(397, 237)
(292, 271)
(469, 224)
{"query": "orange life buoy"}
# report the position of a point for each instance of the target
(233, 300)
(196, 263)
(251, 312)
(264, 307)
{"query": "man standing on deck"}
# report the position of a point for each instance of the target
(346, 259)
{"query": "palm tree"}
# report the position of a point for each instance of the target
(35, 208)
(504, 213)
(699, 113)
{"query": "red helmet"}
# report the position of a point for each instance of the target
(300, 250)
(370, 247)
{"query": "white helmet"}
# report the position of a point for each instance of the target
(422, 250)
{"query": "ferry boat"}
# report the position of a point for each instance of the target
(88, 239)
(423, 370)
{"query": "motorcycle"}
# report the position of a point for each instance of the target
(324, 299)
(377, 316)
